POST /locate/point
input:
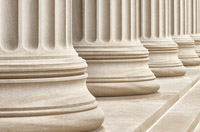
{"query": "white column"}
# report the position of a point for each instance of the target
(195, 24)
(180, 30)
(42, 79)
(156, 37)
(106, 35)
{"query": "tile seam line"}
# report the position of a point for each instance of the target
(179, 99)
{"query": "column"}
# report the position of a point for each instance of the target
(195, 24)
(155, 36)
(105, 33)
(42, 79)
(180, 10)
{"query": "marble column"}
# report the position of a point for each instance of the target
(42, 79)
(156, 37)
(195, 24)
(105, 33)
(180, 30)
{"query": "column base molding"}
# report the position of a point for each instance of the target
(47, 98)
(187, 54)
(164, 61)
(72, 122)
(118, 70)
(196, 38)
(169, 71)
(123, 88)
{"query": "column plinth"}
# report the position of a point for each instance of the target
(156, 37)
(106, 35)
(42, 79)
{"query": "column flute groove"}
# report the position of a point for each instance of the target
(29, 24)
(9, 38)
(118, 63)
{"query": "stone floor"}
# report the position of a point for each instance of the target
(197, 128)
(175, 108)
(183, 116)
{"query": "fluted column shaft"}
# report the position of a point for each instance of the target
(195, 24)
(106, 34)
(155, 36)
(180, 31)
(42, 79)
(34, 28)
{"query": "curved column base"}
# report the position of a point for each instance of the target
(57, 104)
(118, 71)
(169, 71)
(190, 61)
(73, 122)
(196, 38)
(197, 47)
(187, 53)
(164, 61)
(123, 88)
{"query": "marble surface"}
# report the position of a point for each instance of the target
(197, 128)
(184, 116)
(139, 113)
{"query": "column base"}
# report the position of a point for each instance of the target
(196, 38)
(118, 70)
(169, 71)
(124, 88)
(48, 105)
(72, 122)
(190, 61)
(164, 61)
(43, 97)
(187, 53)
(197, 47)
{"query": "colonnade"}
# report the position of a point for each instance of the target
(126, 44)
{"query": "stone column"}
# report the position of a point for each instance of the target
(42, 79)
(180, 30)
(156, 37)
(195, 24)
(105, 33)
